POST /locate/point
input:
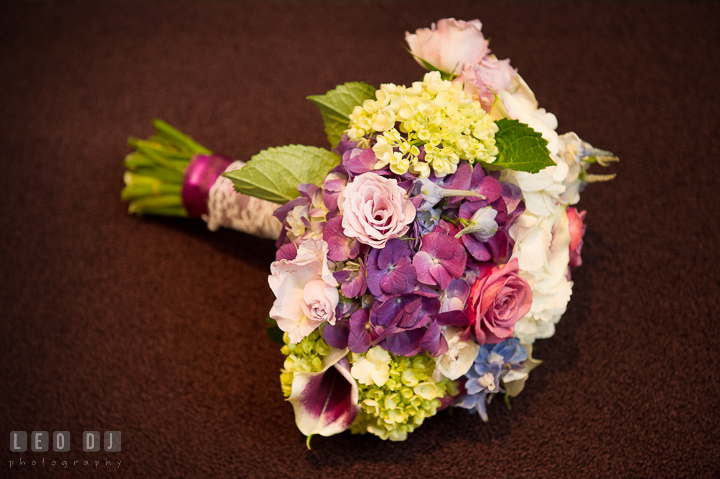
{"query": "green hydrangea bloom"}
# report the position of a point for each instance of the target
(303, 357)
(435, 114)
(408, 397)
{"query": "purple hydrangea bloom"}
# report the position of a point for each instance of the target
(433, 341)
(356, 333)
(345, 308)
(344, 145)
(352, 281)
(492, 364)
(512, 194)
(287, 251)
(336, 335)
(405, 325)
(281, 214)
(361, 333)
(455, 296)
(359, 160)
(486, 235)
(486, 185)
(440, 259)
(340, 247)
(333, 184)
(405, 343)
(310, 195)
(390, 270)
(460, 180)
(409, 343)
(407, 311)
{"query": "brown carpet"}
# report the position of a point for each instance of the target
(154, 327)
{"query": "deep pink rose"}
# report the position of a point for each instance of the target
(577, 231)
(375, 209)
(449, 46)
(484, 79)
(498, 299)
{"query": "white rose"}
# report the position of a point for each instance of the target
(524, 111)
(542, 249)
(542, 191)
(569, 152)
(459, 357)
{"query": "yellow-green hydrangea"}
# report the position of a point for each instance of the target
(434, 113)
(403, 400)
(303, 357)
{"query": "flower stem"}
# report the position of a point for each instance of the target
(446, 192)
(453, 222)
(179, 138)
(154, 175)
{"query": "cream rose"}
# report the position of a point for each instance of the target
(375, 209)
(305, 289)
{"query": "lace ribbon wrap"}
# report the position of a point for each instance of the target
(209, 196)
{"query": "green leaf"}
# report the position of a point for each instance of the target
(336, 106)
(273, 331)
(274, 174)
(520, 148)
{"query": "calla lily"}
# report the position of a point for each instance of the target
(325, 402)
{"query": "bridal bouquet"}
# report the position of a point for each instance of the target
(421, 257)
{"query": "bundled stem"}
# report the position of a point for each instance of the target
(154, 176)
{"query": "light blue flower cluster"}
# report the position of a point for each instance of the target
(492, 364)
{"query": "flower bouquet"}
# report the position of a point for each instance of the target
(421, 257)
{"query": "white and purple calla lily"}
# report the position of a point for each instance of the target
(325, 402)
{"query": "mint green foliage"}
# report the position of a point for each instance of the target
(520, 148)
(336, 106)
(154, 176)
(408, 397)
(303, 357)
(274, 174)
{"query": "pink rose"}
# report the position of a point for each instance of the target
(449, 46)
(577, 231)
(375, 210)
(498, 299)
(306, 290)
(483, 79)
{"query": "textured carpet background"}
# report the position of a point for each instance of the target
(154, 327)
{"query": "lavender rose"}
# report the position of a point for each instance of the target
(499, 298)
(375, 209)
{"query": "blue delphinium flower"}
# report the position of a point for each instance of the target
(492, 364)
(427, 220)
